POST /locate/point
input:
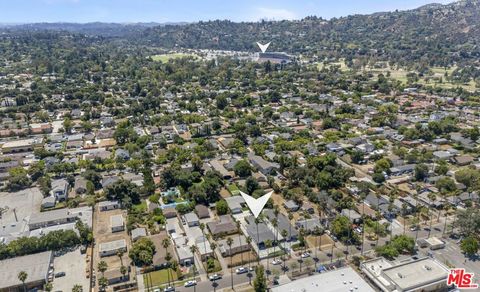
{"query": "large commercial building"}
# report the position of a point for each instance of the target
(411, 275)
(343, 279)
(35, 265)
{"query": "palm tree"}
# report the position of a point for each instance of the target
(120, 255)
(102, 267)
(166, 244)
(123, 271)
(49, 287)
(77, 288)
(22, 276)
(202, 227)
(275, 225)
(193, 249)
(284, 235)
(290, 217)
(363, 195)
(249, 241)
(318, 232)
(168, 258)
(404, 214)
(432, 198)
(257, 220)
(102, 282)
(239, 238)
(229, 243)
(213, 246)
(331, 253)
(268, 244)
(417, 215)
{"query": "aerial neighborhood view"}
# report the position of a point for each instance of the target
(284, 146)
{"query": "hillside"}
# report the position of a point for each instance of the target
(434, 34)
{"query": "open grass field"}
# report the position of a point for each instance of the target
(167, 57)
(159, 278)
(400, 74)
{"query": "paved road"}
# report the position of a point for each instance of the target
(207, 286)
(452, 255)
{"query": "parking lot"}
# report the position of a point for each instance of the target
(74, 265)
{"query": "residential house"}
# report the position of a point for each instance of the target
(235, 204)
(202, 211)
(112, 247)
(204, 248)
(48, 202)
(218, 166)
(60, 189)
(117, 223)
(291, 206)
(108, 205)
(138, 233)
(191, 219)
(159, 257)
(259, 233)
(309, 225)
(80, 186)
(50, 218)
(262, 165)
(462, 160)
(223, 226)
(352, 215)
(239, 245)
(282, 224)
(115, 276)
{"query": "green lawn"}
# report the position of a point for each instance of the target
(217, 267)
(233, 189)
(142, 207)
(159, 278)
(166, 57)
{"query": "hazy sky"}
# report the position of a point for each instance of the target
(21, 11)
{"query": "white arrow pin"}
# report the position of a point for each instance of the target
(263, 47)
(256, 205)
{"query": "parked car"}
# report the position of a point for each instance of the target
(241, 270)
(190, 283)
(168, 289)
(215, 277)
(276, 262)
(60, 274)
(305, 255)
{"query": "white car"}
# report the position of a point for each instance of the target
(241, 270)
(215, 277)
(276, 262)
(167, 289)
(305, 255)
(190, 283)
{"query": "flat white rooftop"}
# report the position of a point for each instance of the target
(342, 279)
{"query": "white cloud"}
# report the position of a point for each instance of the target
(273, 14)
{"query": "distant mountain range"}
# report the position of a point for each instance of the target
(433, 34)
(92, 28)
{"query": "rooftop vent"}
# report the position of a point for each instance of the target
(428, 268)
(400, 276)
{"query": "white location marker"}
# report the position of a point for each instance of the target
(263, 47)
(256, 205)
